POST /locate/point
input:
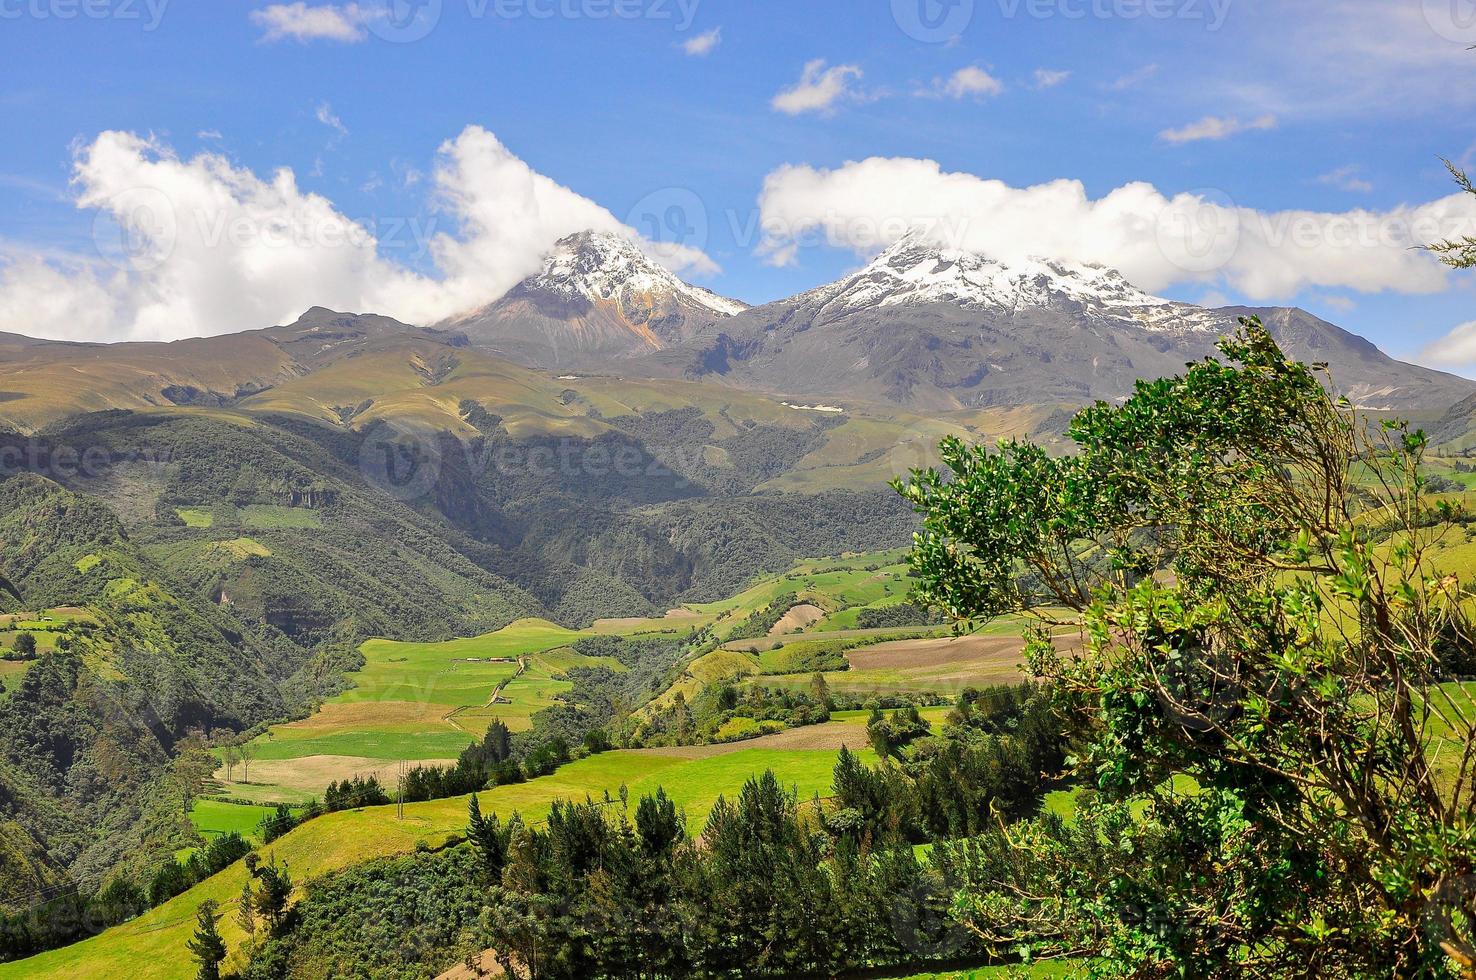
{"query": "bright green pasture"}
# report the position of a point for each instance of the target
(450, 672)
(212, 818)
(271, 516)
(831, 584)
(420, 702)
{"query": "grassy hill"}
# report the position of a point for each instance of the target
(152, 947)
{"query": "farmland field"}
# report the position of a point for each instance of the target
(417, 702)
(213, 818)
(937, 665)
(422, 703)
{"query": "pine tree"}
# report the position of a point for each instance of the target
(208, 948)
(488, 838)
(246, 910)
(276, 890)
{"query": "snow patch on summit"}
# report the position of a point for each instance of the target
(596, 266)
(914, 270)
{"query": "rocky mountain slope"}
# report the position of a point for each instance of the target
(597, 299)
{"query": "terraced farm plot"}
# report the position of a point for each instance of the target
(417, 702)
(152, 947)
(830, 584)
(11, 671)
(195, 516)
(939, 665)
(268, 516)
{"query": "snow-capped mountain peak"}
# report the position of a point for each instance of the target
(915, 270)
(599, 266)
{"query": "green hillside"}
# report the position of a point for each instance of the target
(151, 946)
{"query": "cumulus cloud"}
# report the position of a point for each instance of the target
(972, 81)
(819, 89)
(703, 44)
(1215, 128)
(300, 22)
(1050, 77)
(199, 246)
(1455, 349)
(1156, 240)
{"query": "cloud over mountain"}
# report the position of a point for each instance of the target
(199, 246)
(1156, 239)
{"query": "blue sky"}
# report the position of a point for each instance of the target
(1270, 106)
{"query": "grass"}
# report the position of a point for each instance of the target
(831, 584)
(420, 702)
(424, 702)
(194, 517)
(271, 516)
(946, 679)
(213, 818)
(152, 947)
(240, 549)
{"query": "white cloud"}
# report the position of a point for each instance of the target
(1133, 78)
(327, 118)
(1455, 349)
(703, 44)
(209, 134)
(1156, 240)
(1346, 179)
(220, 249)
(1050, 77)
(1215, 128)
(300, 22)
(1340, 303)
(819, 89)
(972, 81)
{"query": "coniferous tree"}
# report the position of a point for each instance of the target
(208, 948)
(274, 893)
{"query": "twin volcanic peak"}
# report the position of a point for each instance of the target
(597, 297)
(925, 326)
